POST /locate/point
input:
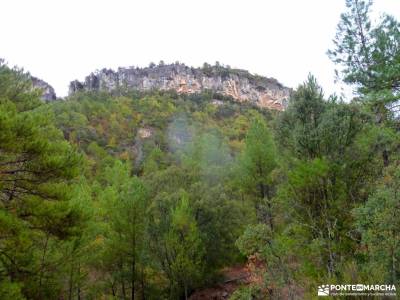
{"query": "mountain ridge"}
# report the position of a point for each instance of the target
(239, 84)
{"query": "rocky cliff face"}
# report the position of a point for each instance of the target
(48, 92)
(238, 84)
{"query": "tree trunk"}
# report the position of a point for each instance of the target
(79, 284)
(142, 285)
(123, 288)
(186, 292)
(42, 265)
(271, 221)
(393, 267)
(70, 284)
(385, 157)
(133, 280)
(113, 289)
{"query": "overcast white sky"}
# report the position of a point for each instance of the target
(62, 40)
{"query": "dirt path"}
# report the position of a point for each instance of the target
(233, 278)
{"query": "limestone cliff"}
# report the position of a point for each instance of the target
(238, 84)
(48, 93)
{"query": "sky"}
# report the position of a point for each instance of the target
(62, 40)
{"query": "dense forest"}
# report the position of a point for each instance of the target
(151, 195)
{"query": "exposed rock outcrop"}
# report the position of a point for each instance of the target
(238, 84)
(48, 91)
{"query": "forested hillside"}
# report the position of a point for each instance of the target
(151, 195)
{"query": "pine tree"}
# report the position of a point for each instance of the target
(36, 169)
(369, 56)
(124, 205)
(184, 248)
(256, 166)
(377, 221)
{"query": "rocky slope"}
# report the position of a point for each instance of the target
(48, 91)
(238, 84)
